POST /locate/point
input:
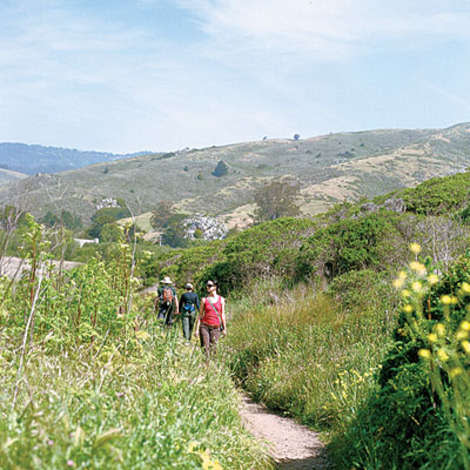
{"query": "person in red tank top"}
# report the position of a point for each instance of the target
(210, 323)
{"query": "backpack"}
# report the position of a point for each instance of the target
(167, 295)
(188, 307)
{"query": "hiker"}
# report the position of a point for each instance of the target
(210, 323)
(166, 302)
(188, 307)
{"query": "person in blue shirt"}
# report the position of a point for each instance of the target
(188, 308)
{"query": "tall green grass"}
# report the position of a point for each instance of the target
(143, 403)
(306, 354)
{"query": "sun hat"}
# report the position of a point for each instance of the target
(166, 280)
(188, 286)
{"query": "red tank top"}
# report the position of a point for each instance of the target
(211, 317)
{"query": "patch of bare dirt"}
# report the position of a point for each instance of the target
(12, 266)
(292, 445)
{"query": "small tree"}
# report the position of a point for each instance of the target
(174, 234)
(221, 169)
(161, 215)
(277, 199)
(111, 233)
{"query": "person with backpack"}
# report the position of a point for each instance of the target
(188, 307)
(210, 323)
(166, 302)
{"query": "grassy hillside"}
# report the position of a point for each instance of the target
(330, 168)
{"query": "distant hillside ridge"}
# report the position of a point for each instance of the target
(7, 176)
(329, 168)
(31, 159)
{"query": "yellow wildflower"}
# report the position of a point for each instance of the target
(417, 286)
(432, 337)
(397, 283)
(193, 445)
(440, 329)
(415, 248)
(453, 299)
(455, 372)
(466, 346)
(445, 299)
(408, 308)
(402, 275)
(433, 279)
(461, 334)
(442, 355)
(418, 267)
(465, 325)
(405, 293)
(466, 287)
(424, 353)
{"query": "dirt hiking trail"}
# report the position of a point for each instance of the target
(292, 446)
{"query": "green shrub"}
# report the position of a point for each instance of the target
(438, 195)
(350, 244)
(364, 289)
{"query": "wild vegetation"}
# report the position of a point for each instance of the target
(90, 381)
(337, 358)
(330, 322)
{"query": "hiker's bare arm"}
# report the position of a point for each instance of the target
(224, 322)
(198, 319)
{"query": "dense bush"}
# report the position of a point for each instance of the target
(438, 195)
(265, 250)
(365, 242)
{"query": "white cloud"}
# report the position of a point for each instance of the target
(327, 28)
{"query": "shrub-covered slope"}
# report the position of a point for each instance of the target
(329, 168)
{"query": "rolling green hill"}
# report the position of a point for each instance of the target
(330, 168)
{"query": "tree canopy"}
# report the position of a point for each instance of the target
(277, 199)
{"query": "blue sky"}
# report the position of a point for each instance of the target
(128, 75)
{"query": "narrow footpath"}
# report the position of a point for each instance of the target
(292, 446)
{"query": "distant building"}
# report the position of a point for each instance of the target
(84, 241)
